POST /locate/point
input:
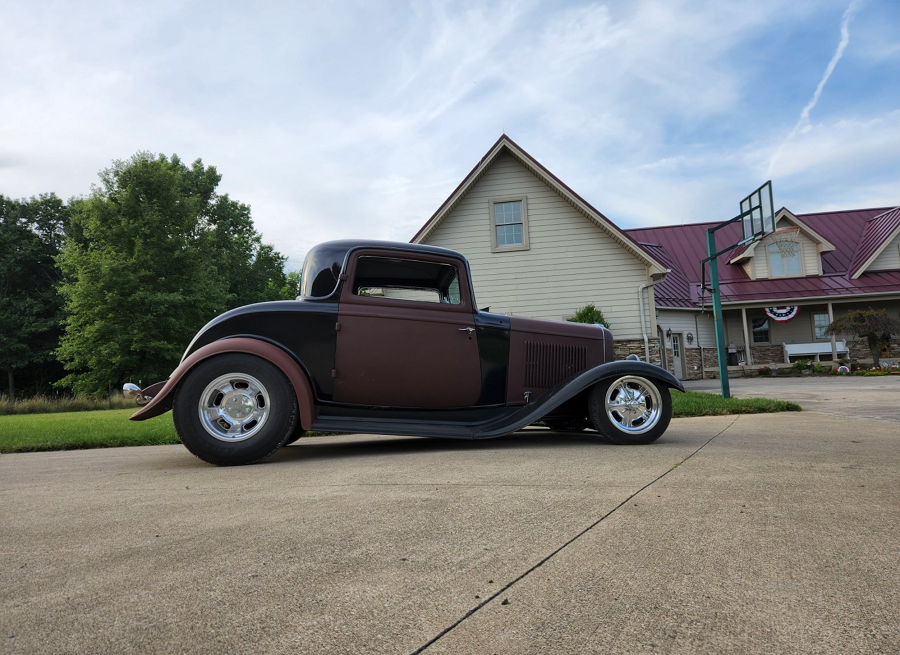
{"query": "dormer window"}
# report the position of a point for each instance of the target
(784, 264)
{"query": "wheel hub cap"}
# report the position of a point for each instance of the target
(633, 404)
(234, 407)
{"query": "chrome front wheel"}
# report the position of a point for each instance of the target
(630, 409)
(633, 404)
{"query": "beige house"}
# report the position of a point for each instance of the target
(536, 248)
(776, 305)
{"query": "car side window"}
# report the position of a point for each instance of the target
(406, 279)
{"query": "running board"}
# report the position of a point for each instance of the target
(395, 427)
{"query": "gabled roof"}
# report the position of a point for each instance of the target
(684, 246)
(876, 235)
(678, 288)
(784, 214)
(505, 144)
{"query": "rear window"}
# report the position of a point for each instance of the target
(406, 279)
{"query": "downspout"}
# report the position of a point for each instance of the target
(641, 306)
(702, 363)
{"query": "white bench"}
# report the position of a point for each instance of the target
(815, 350)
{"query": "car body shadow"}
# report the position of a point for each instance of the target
(338, 447)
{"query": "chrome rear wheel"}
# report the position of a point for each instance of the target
(234, 407)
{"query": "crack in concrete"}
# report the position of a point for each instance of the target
(443, 633)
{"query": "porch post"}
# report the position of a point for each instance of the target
(833, 338)
(746, 336)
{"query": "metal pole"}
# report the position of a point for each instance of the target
(717, 311)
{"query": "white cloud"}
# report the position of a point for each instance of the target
(346, 119)
(802, 124)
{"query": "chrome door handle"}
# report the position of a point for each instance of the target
(468, 330)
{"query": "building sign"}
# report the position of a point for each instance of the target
(782, 314)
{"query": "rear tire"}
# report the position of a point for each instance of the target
(298, 432)
(630, 409)
(234, 409)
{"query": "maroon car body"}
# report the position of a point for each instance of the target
(387, 338)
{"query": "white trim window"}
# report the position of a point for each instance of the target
(509, 224)
(760, 328)
(781, 266)
(820, 322)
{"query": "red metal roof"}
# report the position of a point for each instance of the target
(684, 246)
(876, 231)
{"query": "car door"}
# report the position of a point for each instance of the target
(406, 333)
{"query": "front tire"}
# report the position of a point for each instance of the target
(630, 409)
(234, 409)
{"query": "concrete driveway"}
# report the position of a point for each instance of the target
(753, 534)
(849, 398)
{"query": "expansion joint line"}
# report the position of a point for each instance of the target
(443, 633)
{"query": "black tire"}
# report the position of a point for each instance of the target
(298, 432)
(639, 409)
(234, 409)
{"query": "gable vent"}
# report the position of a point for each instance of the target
(546, 364)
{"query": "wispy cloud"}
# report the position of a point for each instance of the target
(803, 122)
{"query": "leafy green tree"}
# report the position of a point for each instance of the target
(153, 254)
(291, 288)
(589, 314)
(251, 270)
(31, 233)
(873, 325)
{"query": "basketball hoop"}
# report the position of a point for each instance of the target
(786, 240)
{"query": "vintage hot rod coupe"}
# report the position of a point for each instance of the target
(386, 338)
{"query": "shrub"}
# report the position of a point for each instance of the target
(49, 404)
(589, 314)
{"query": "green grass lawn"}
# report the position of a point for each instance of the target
(111, 428)
(73, 430)
(697, 403)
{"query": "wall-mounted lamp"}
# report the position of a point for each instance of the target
(689, 337)
(669, 333)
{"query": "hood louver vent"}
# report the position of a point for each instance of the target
(547, 364)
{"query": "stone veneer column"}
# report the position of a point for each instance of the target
(625, 347)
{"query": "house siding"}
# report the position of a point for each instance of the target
(889, 259)
(700, 324)
(571, 261)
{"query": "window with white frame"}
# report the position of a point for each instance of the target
(760, 330)
(509, 224)
(781, 265)
(820, 322)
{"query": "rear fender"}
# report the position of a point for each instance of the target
(571, 388)
(162, 401)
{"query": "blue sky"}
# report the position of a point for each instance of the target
(357, 119)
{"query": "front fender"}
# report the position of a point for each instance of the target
(569, 389)
(162, 401)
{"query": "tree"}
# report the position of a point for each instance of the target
(589, 314)
(152, 255)
(31, 233)
(873, 325)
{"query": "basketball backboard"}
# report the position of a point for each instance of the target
(758, 214)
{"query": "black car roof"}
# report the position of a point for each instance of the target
(346, 245)
(325, 261)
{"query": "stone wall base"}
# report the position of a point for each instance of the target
(763, 356)
(859, 350)
(625, 347)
